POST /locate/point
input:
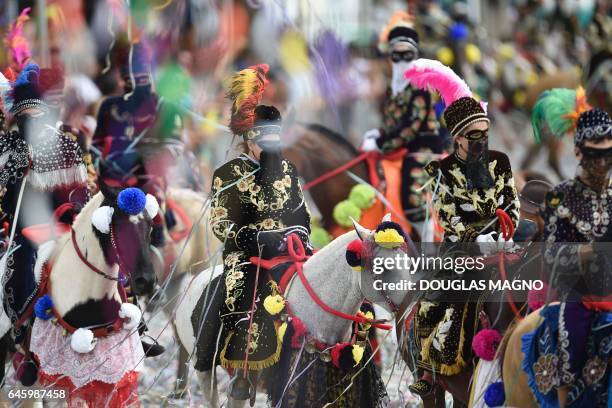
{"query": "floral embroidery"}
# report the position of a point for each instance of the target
(229, 302)
(217, 183)
(544, 370)
(594, 370)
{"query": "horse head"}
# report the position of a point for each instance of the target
(382, 252)
(123, 225)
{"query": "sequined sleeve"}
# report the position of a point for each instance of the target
(454, 228)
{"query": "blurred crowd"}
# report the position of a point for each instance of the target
(326, 67)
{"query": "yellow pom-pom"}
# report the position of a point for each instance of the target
(389, 238)
(519, 98)
(472, 54)
(445, 55)
(274, 304)
(281, 331)
(357, 353)
(367, 315)
(506, 51)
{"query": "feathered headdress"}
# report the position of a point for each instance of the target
(246, 91)
(399, 19)
(461, 108)
(16, 43)
(558, 109)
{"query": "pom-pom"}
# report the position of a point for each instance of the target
(132, 200)
(485, 343)
(363, 196)
(152, 206)
(495, 395)
(353, 254)
(472, 54)
(319, 237)
(342, 356)
(131, 315)
(389, 234)
(537, 298)
(82, 341)
(458, 32)
(446, 56)
(264, 113)
(274, 304)
(43, 309)
(357, 353)
(102, 217)
(344, 213)
(299, 331)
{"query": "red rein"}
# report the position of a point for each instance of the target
(297, 255)
(507, 229)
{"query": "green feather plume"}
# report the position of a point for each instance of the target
(552, 109)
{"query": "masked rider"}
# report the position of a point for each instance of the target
(257, 202)
(409, 119)
(471, 185)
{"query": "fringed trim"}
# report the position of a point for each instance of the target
(251, 365)
(459, 364)
(63, 177)
(44, 254)
(527, 367)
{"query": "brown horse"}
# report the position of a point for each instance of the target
(501, 314)
(316, 150)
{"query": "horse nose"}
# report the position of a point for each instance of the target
(143, 285)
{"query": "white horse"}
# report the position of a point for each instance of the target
(84, 297)
(327, 272)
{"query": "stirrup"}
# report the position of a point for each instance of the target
(240, 388)
(421, 387)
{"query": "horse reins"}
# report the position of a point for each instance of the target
(89, 264)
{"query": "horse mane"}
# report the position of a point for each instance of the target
(331, 135)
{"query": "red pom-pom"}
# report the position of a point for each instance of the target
(299, 331)
(355, 246)
(353, 252)
(537, 298)
(339, 356)
(485, 343)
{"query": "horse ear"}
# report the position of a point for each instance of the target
(386, 218)
(362, 232)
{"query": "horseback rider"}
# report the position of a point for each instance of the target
(567, 356)
(137, 141)
(257, 203)
(474, 184)
(43, 167)
(409, 118)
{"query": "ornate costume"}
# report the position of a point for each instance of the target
(254, 205)
(469, 194)
(572, 346)
(409, 119)
(42, 167)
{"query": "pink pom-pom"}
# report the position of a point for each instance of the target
(485, 343)
(537, 298)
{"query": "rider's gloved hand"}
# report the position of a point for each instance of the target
(488, 243)
(369, 140)
(270, 239)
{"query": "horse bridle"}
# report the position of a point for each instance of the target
(93, 267)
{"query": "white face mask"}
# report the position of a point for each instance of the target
(398, 82)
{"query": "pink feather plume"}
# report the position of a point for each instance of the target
(432, 75)
(17, 43)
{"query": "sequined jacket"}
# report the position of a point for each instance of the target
(241, 207)
(409, 120)
(462, 212)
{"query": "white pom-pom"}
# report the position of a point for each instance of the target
(152, 206)
(82, 341)
(102, 218)
(132, 315)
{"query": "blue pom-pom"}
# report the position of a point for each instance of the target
(132, 200)
(458, 32)
(494, 395)
(43, 308)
